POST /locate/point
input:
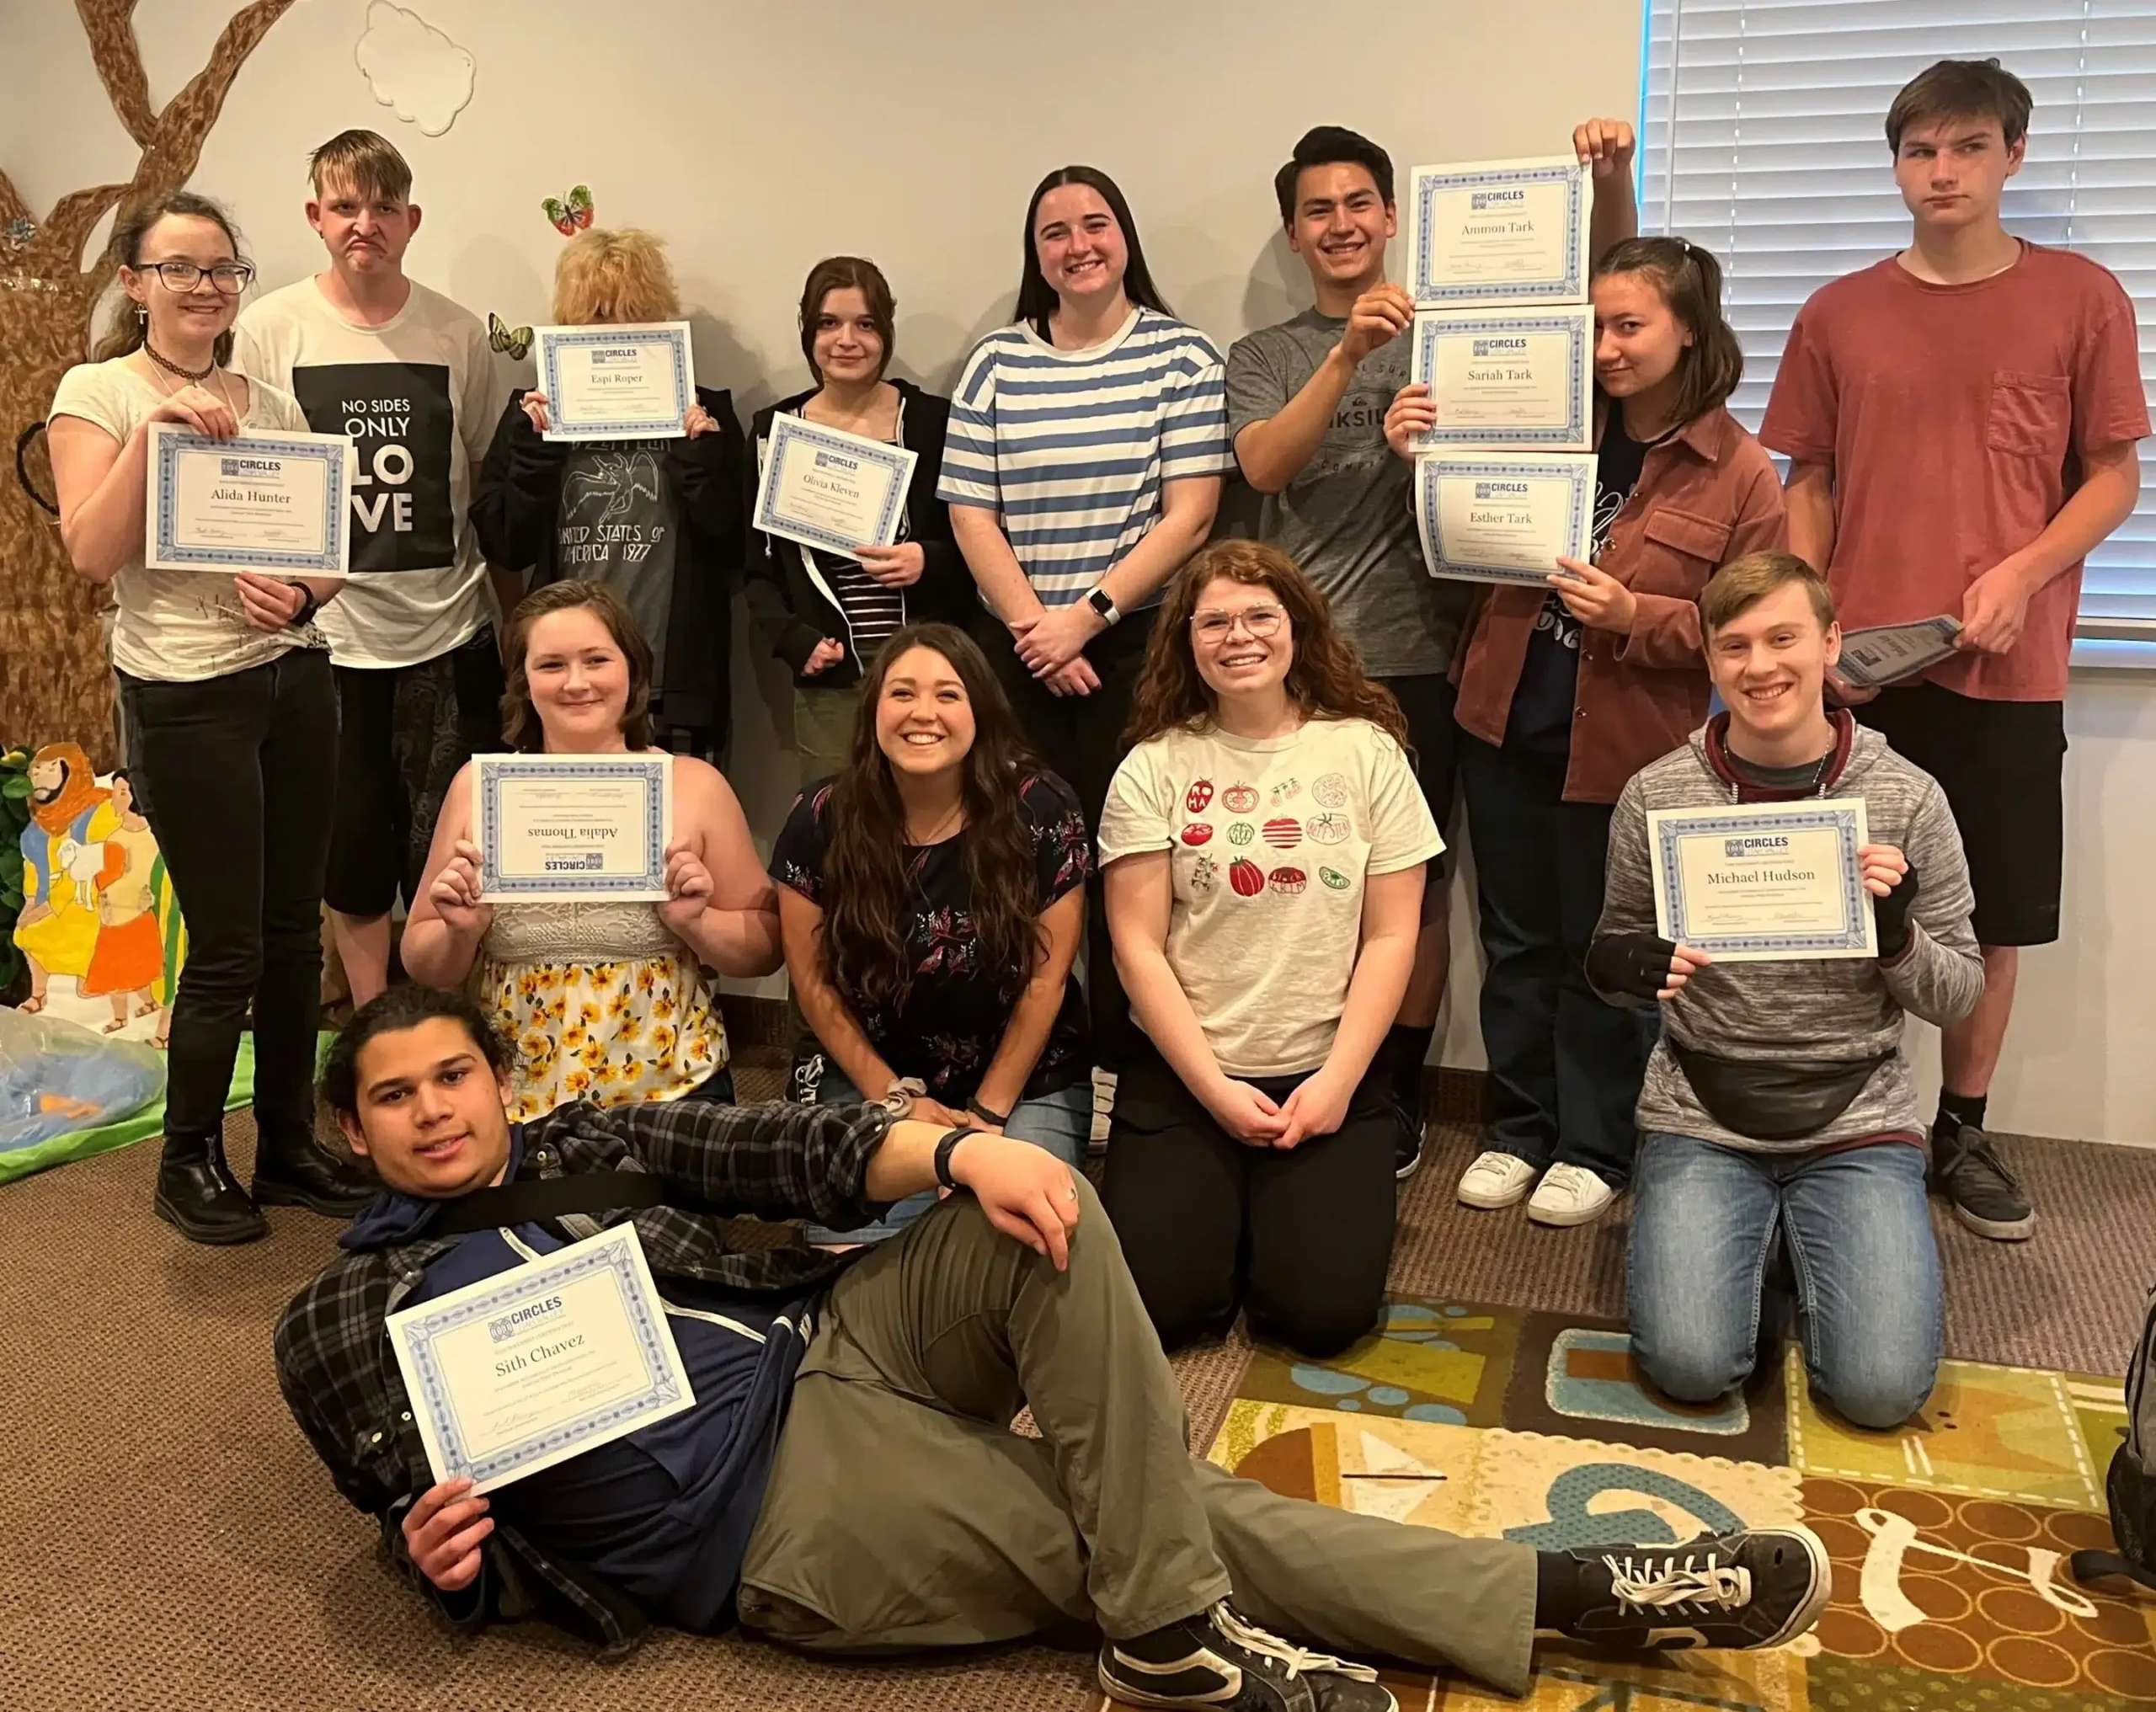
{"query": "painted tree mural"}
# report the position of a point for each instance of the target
(54, 680)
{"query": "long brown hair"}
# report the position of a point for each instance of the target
(520, 726)
(131, 329)
(1326, 681)
(1689, 280)
(869, 875)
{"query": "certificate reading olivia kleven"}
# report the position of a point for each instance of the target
(273, 502)
(573, 826)
(535, 1365)
(1764, 883)
(825, 487)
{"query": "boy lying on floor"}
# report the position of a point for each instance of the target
(846, 1480)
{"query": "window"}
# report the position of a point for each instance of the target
(1763, 138)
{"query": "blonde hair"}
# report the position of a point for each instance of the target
(616, 276)
(1742, 584)
(366, 161)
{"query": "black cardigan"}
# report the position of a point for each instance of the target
(519, 501)
(793, 613)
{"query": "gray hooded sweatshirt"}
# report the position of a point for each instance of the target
(1814, 1009)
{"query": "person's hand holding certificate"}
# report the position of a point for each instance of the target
(826, 489)
(1765, 882)
(273, 502)
(573, 826)
(537, 1364)
(616, 382)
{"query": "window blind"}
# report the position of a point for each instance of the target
(1764, 139)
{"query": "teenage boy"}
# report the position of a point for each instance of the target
(1961, 421)
(407, 374)
(1779, 1097)
(1306, 405)
(846, 1480)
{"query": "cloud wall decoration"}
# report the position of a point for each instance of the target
(414, 68)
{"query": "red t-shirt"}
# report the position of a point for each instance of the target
(1955, 418)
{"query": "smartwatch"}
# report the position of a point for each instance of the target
(943, 1151)
(1098, 598)
(897, 1098)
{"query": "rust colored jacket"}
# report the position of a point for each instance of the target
(1706, 496)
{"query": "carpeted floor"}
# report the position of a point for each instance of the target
(167, 1541)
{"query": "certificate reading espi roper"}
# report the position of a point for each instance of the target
(628, 383)
(825, 487)
(255, 503)
(537, 1364)
(1764, 883)
(573, 826)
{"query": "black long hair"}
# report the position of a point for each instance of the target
(1037, 298)
(868, 872)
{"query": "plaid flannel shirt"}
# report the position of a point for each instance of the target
(339, 1373)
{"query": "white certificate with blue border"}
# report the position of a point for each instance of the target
(572, 826)
(1499, 232)
(824, 488)
(540, 1363)
(1764, 883)
(1522, 377)
(259, 502)
(1887, 653)
(1504, 516)
(633, 382)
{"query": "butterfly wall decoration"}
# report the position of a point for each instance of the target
(512, 341)
(570, 214)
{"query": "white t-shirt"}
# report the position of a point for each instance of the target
(417, 395)
(1270, 843)
(178, 626)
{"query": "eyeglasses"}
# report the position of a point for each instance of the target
(1215, 628)
(229, 278)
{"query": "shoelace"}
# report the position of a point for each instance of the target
(1297, 1660)
(1983, 1154)
(1644, 1587)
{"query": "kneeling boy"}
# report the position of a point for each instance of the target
(1779, 1099)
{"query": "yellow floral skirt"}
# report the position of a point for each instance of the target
(614, 1033)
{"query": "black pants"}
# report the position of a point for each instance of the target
(1080, 738)
(407, 729)
(1565, 1067)
(1300, 1239)
(237, 776)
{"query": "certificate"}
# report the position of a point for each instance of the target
(1764, 883)
(1499, 232)
(616, 382)
(822, 486)
(1507, 377)
(1888, 652)
(566, 827)
(533, 1366)
(1504, 517)
(261, 502)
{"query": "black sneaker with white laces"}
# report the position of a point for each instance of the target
(1965, 1168)
(1407, 1146)
(1218, 1660)
(1743, 1590)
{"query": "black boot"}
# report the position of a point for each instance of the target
(196, 1194)
(292, 1171)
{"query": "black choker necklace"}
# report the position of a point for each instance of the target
(197, 376)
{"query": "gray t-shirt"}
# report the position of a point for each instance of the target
(619, 525)
(1345, 518)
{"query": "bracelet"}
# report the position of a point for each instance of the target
(943, 1151)
(308, 606)
(987, 1113)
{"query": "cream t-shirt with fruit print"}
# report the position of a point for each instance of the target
(1270, 844)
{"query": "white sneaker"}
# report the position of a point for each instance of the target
(1496, 1179)
(1570, 1195)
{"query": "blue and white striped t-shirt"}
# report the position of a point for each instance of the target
(1071, 447)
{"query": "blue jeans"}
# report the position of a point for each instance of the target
(1704, 1224)
(1061, 1122)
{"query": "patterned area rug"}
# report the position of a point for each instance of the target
(1948, 1537)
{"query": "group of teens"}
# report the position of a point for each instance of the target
(1051, 730)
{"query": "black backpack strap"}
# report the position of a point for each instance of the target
(2092, 1567)
(591, 1192)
